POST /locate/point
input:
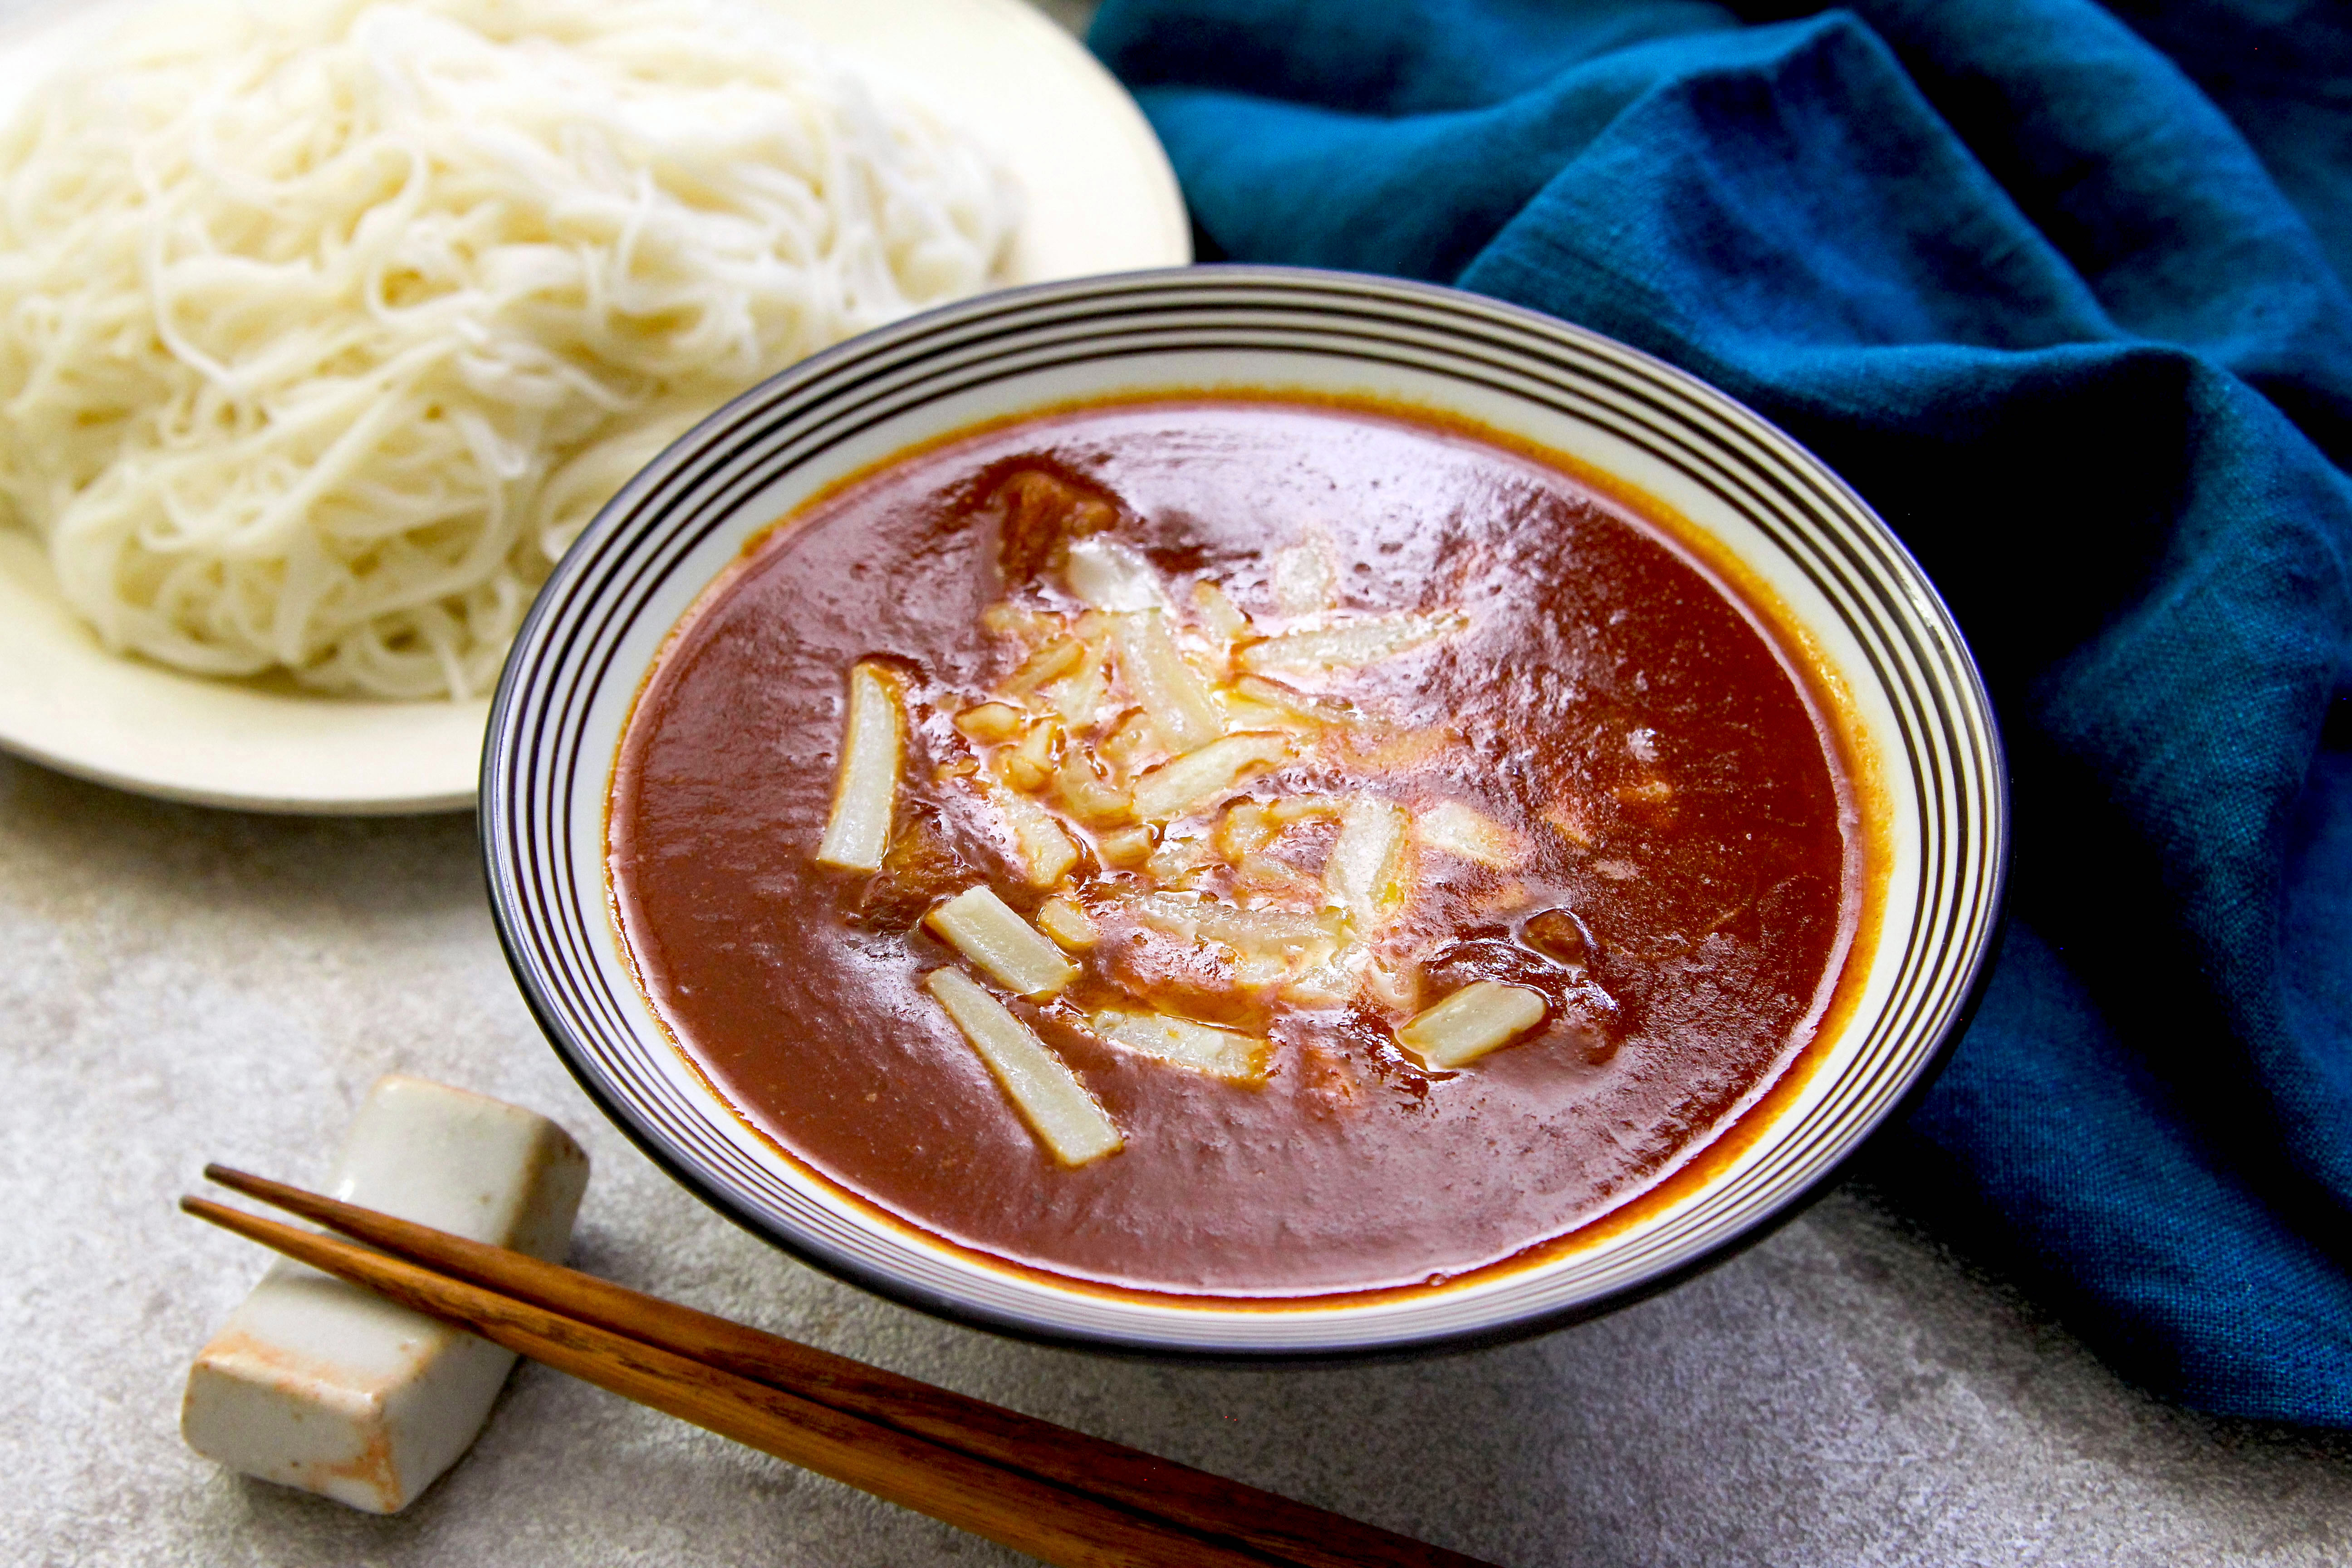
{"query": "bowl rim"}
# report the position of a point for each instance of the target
(1925, 609)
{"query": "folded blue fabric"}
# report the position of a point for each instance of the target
(2061, 291)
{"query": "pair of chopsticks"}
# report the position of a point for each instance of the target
(1056, 1494)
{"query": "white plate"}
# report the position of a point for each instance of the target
(1100, 198)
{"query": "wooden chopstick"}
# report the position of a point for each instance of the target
(1007, 1506)
(1208, 1512)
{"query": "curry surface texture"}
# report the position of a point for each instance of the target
(1676, 875)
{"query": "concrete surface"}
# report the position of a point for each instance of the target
(186, 985)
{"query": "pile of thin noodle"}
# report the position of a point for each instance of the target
(325, 326)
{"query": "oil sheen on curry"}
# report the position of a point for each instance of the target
(1232, 847)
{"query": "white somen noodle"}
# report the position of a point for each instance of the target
(324, 327)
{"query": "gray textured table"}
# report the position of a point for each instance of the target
(185, 984)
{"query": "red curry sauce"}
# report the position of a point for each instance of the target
(1680, 889)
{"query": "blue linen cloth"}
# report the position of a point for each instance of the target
(2061, 290)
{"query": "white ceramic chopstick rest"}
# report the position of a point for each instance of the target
(316, 1384)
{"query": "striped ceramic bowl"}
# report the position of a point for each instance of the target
(1915, 703)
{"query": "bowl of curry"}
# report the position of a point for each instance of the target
(1244, 812)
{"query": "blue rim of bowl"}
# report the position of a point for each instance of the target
(1503, 341)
